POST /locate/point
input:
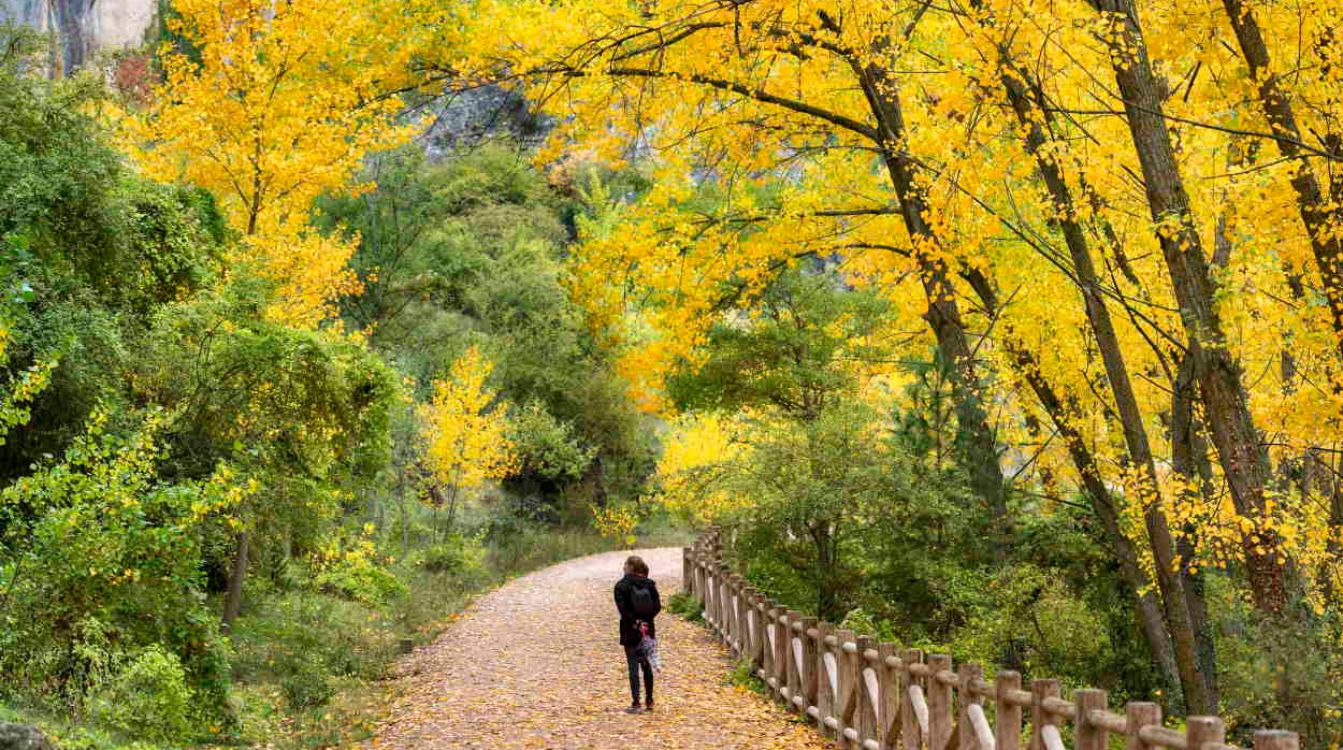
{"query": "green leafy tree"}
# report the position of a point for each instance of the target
(467, 251)
(304, 415)
(87, 250)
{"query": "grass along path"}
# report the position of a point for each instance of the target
(535, 664)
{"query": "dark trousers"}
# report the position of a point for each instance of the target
(635, 662)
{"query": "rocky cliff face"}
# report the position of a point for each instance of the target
(463, 120)
(83, 27)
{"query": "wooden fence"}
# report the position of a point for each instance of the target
(877, 696)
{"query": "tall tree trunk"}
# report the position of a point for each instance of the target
(1243, 459)
(827, 598)
(1321, 212)
(1322, 216)
(233, 597)
(1151, 621)
(1032, 117)
(1189, 460)
(977, 443)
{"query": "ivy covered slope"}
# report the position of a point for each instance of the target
(255, 440)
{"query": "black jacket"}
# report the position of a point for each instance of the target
(629, 630)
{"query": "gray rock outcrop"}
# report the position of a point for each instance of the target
(23, 737)
(84, 27)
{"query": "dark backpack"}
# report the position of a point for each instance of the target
(642, 601)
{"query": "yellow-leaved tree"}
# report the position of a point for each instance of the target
(1121, 236)
(693, 456)
(271, 105)
(465, 429)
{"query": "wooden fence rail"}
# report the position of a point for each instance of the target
(877, 696)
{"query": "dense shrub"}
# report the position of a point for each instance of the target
(686, 605)
(457, 554)
(149, 698)
(286, 632)
(307, 685)
(353, 571)
(104, 563)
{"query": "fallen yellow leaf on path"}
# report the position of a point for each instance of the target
(535, 664)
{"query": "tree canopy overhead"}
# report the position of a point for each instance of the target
(1118, 229)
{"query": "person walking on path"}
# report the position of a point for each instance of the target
(638, 603)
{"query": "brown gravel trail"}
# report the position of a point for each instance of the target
(535, 664)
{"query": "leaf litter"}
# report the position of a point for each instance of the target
(535, 664)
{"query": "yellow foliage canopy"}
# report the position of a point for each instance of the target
(465, 430)
(696, 451)
(759, 120)
(278, 104)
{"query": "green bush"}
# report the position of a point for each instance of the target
(687, 606)
(345, 637)
(456, 554)
(111, 565)
(743, 676)
(354, 572)
(863, 622)
(148, 698)
(361, 583)
(307, 686)
(1066, 636)
(342, 637)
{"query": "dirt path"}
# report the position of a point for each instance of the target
(535, 664)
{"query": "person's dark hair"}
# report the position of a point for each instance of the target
(636, 564)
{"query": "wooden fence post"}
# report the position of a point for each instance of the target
(740, 606)
(1202, 731)
(1139, 715)
(725, 606)
(701, 582)
(719, 588)
(748, 624)
(1275, 739)
(966, 697)
(1006, 713)
(733, 634)
(757, 622)
(863, 684)
(697, 573)
(888, 681)
(688, 570)
(780, 646)
(911, 732)
(827, 677)
(791, 645)
(808, 675)
(720, 599)
(739, 624)
(1041, 689)
(709, 595)
(1089, 735)
(939, 703)
(846, 703)
(768, 633)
